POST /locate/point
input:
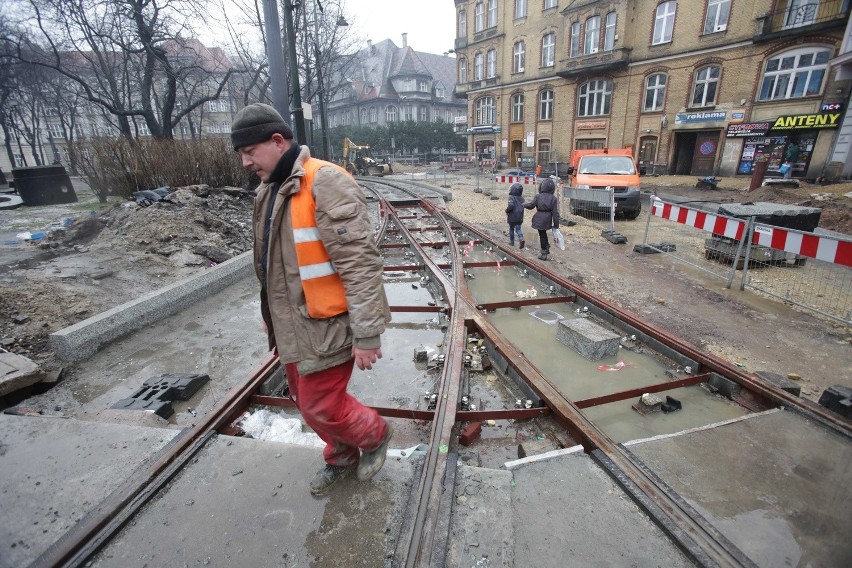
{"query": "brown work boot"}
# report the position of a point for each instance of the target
(328, 476)
(372, 462)
(523, 243)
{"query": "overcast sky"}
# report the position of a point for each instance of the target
(430, 24)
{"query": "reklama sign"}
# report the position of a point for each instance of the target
(806, 121)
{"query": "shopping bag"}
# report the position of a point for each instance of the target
(784, 169)
(558, 239)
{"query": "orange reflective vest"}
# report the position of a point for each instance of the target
(324, 292)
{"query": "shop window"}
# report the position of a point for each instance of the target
(548, 50)
(592, 37)
(545, 105)
(574, 49)
(518, 57)
(609, 33)
(595, 98)
(716, 19)
(484, 111)
(655, 92)
(795, 73)
(518, 107)
(706, 86)
(664, 19)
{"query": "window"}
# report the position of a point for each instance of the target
(664, 22)
(226, 127)
(478, 18)
(448, 116)
(391, 113)
(423, 113)
(477, 67)
(484, 111)
(595, 98)
(462, 70)
(55, 130)
(408, 111)
(518, 57)
(363, 116)
(492, 13)
(520, 8)
(548, 50)
(462, 30)
(423, 85)
(19, 161)
(591, 40)
(550, 4)
(143, 128)
(543, 151)
(574, 49)
(706, 85)
(184, 130)
(374, 114)
(518, 107)
(545, 105)
(793, 74)
(609, 35)
(801, 13)
(655, 92)
(491, 64)
(717, 16)
(440, 92)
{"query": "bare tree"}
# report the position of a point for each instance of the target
(128, 56)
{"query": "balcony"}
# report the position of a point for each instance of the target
(461, 43)
(798, 18)
(595, 62)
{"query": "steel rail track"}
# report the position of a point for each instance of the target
(427, 535)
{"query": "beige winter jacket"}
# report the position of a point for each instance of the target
(317, 344)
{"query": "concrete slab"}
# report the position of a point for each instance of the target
(243, 502)
(568, 512)
(481, 532)
(55, 470)
(777, 485)
(17, 372)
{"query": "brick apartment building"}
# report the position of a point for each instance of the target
(700, 87)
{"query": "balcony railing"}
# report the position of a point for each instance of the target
(595, 62)
(802, 16)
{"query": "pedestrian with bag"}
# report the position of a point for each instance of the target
(322, 297)
(546, 216)
(791, 158)
(515, 214)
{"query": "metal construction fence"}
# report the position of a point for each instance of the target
(596, 205)
(810, 270)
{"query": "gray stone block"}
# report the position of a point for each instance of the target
(589, 339)
(783, 383)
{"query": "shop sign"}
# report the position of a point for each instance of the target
(591, 125)
(831, 107)
(807, 121)
(748, 129)
(689, 117)
(483, 130)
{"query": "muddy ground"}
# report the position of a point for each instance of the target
(97, 256)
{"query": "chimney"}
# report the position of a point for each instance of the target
(404, 40)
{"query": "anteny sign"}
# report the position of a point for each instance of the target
(806, 121)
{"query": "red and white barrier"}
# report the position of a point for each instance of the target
(828, 249)
(716, 224)
(526, 180)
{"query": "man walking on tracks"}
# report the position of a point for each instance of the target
(322, 298)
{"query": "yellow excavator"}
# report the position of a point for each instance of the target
(358, 162)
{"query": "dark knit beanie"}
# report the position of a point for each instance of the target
(257, 123)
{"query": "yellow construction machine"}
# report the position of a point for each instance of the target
(358, 161)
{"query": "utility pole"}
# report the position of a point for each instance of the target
(298, 113)
(275, 54)
(321, 89)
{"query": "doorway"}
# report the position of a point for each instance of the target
(695, 152)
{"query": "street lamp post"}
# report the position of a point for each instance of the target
(275, 54)
(321, 83)
(296, 107)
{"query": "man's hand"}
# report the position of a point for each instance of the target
(364, 358)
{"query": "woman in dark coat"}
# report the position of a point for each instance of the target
(515, 214)
(546, 215)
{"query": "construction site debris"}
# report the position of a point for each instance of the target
(17, 372)
(269, 426)
(470, 433)
(648, 403)
(157, 393)
(838, 398)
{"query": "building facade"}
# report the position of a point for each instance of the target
(387, 84)
(700, 87)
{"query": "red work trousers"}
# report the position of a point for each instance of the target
(340, 420)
